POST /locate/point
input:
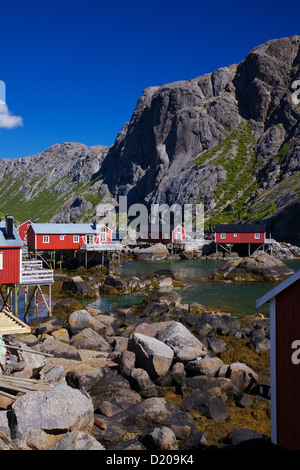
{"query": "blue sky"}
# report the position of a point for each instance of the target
(74, 70)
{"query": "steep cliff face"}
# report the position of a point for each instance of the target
(225, 139)
(229, 139)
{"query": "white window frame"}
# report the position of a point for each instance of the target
(235, 235)
(1, 260)
(257, 236)
(46, 239)
(62, 237)
(75, 238)
(223, 236)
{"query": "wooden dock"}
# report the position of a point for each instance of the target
(10, 325)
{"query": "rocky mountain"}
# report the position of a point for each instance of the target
(229, 139)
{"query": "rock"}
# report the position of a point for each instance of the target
(260, 344)
(4, 425)
(40, 418)
(78, 440)
(244, 401)
(216, 345)
(185, 345)
(115, 390)
(81, 319)
(76, 286)
(240, 435)
(206, 366)
(132, 444)
(61, 334)
(161, 438)
(262, 267)
(84, 376)
(209, 403)
(58, 349)
(89, 339)
(242, 376)
(205, 383)
(49, 325)
(108, 409)
(126, 363)
(151, 354)
(140, 381)
(115, 282)
(155, 309)
(151, 412)
(152, 253)
(53, 375)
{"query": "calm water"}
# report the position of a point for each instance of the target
(237, 298)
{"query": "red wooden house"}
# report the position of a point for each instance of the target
(22, 230)
(10, 253)
(67, 236)
(240, 233)
(285, 361)
(172, 235)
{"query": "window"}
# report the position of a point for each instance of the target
(62, 237)
(46, 239)
(235, 235)
(103, 234)
(75, 238)
(257, 236)
(1, 260)
(89, 239)
(223, 235)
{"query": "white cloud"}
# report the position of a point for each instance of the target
(7, 119)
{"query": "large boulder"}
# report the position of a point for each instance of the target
(185, 345)
(81, 319)
(258, 267)
(152, 253)
(151, 354)
(40, 418)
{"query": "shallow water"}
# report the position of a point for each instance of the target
(235, 297)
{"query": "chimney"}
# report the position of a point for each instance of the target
(9, 227)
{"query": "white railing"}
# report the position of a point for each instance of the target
(101, 246)
(32, 272)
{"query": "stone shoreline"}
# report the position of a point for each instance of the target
(160, 376)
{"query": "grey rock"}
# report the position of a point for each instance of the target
(185, 345)
(89, 339)
(151, 354)
(37, 416)
(78, 440)
(159, 438)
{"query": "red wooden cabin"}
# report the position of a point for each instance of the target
(22, 230)
(10, 253)
(173, 235)
(66, 236)
(240, 233)
(285, 361)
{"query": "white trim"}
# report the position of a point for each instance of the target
(273, 292)
(223, 236)
(273, 370)
(257, 236)
(46, 237)
(1, 260)
(75, 238)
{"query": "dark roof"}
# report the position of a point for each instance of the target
(239, 228)
(9, 242)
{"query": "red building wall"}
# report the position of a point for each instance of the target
(244, 237)
(175, 237)
(287, 372)
(10, 272)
